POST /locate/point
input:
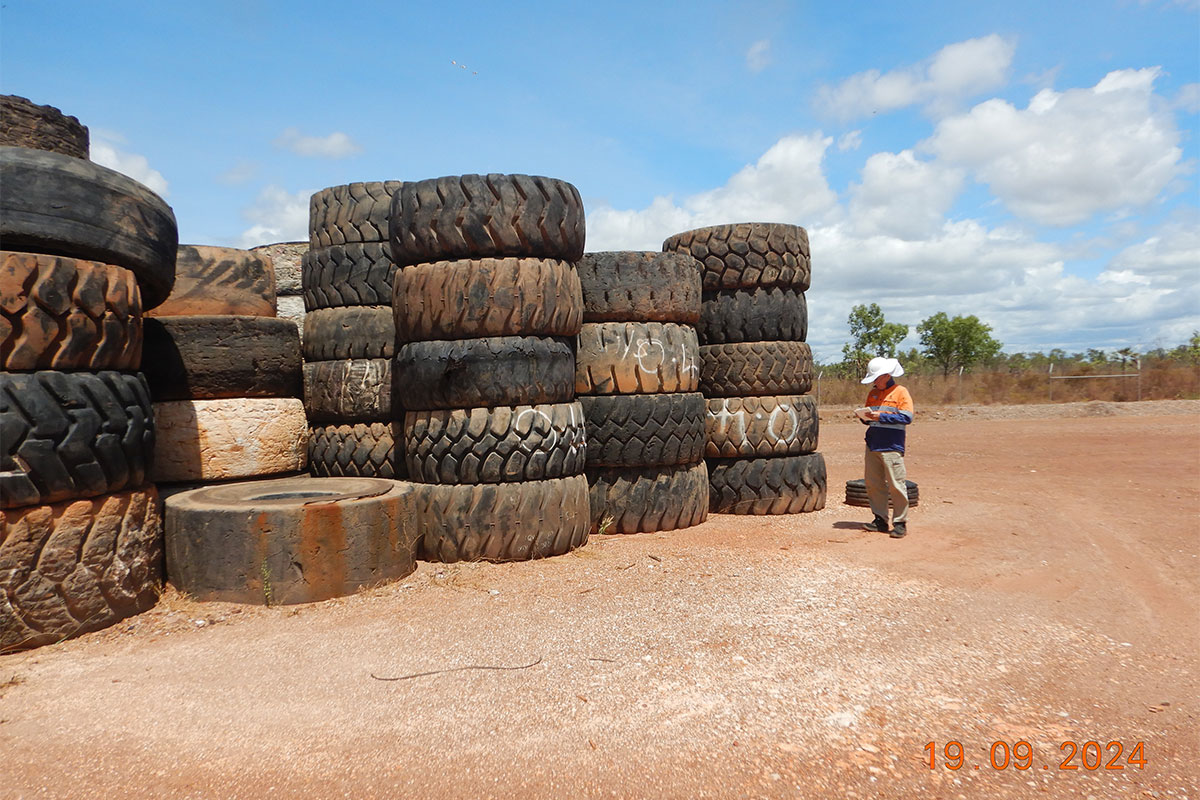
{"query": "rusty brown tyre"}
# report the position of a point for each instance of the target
(502, 521)
(644, 430)
(486, 216)
(645, 499)
(350, 214)
(58, 205)
(209, 357)
(778, 485)
(354, 390)
(748, 254)
(290, 540)
(77, 566)
(774, 425)
(495, 445)
(856, 494)
(220, 280)
(773, 314)
(26, 124)
(487, 297)
(637, 358)
(494, 371)
(357, 274)
(63, 313)
(755, 368)
(646, 287)
(363, 450)
(351, 332)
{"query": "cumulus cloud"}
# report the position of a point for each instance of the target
(335, 145)
(759, 55)
(849, 141)
(106, 153)
(1071, 154)
(278, 216)
(903, 197)
(956, 72)
(1188, 98)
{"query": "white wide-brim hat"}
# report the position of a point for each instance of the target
(882, 366)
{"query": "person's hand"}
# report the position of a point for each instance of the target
(872, 415)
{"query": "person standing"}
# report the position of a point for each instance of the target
(888, 411)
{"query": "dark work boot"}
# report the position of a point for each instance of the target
(900, 530)
(877, 525)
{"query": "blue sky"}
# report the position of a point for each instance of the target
(1032, 163)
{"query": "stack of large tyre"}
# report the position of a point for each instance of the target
(289, 291)
(349, 334)
(637, 372)
(85, 251)
(224, 373)
(755, 368)
(487, 304)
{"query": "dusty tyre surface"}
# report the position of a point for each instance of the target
(486, 216)
(502, 521)
(778, 485)
(59, 205)
(351, 213)
(64, 313)
(350, 390)
(67, 435)
(487, 297)
(362, 450)
(26, 124)
(748, 254)
(755, 368)
(495, 445)
(77, 566)
(856, 494)
(773, 314)
(644, 430)
(625, 286)
(209, 357)
(636, 358)
(645, 499)
(351, 332)
(356, 274)
(289, 540)
(772, 425)
(493, 371)
(220, 280)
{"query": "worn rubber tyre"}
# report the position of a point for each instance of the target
(644, 430)
(64, 313)
(59, 205)
(487, 297)
(748, 254)
(486, 216)
(358, 274)
(363, 450)
(220, 280)
(755, 368)
(778, 485)
(351, 332)
(625, 286)
(240, 437)
(26, 124)
(290, 540)
(354, 390)
(756, 427)
(493, 371)
(772, 314)
(210, 357)
(502, 521)
(67, 435)
(644, 499)
(77, 566)
(636, 358)
(352, 213)
(856, 494)
(495, 445)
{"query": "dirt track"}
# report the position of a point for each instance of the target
(1047, 592)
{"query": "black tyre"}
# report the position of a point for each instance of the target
(644, 430)
(364, 450)
(856, 494)
(772, 314)
(26, 124)
(626, 286)
(755, 427)
(755, 368)
(350, 390)
(351, 332)
(349, 214)
(222, 281)
(782, 485)
(748, 254)
(644, 499)
(358, 274)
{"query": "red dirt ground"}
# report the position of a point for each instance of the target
(1047, 592)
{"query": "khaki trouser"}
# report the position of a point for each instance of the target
(885, 475)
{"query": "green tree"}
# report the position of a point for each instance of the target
(873, 336)
(958, 342)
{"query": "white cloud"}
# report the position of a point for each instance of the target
(902, 197)
(849, 141)
(759, 55)
(278, 216)
(104, 151)
(1069, 155)
(956, 72)
(239, 173)
(1188, 98)
(335, 145)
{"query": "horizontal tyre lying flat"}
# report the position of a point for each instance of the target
(27, 124)
(350, 390)
(644, 499)
(778, 485)
(362, 450)
(772, 314)
(748, 254)
(755, 368)
(351, 213)
(772, 425)
(644, 430)
(358, 274)
(636, 358)
(351, 332)
(220, 280)
(856, 494)
(624, 286)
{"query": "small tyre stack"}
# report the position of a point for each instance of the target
(637, 373)
(86, 249)
(350, 335)
(755, 368)
(224, 373)
(487, 304)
